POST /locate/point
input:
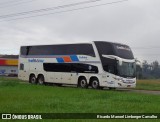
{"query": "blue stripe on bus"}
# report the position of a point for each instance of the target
(74, 58)
(60, 60)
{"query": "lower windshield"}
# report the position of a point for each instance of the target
(127, 69)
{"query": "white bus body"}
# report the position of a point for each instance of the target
(97, 64)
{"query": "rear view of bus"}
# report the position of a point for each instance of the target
(118, 65)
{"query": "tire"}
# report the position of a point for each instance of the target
(82, 83)
(95, 83)
(41, 80)
(33, 79)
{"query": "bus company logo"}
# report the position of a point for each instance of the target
(123, 48)
(35, 60)
(83, 57)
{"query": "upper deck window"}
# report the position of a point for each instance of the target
(67, 49)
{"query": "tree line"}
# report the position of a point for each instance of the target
(147, 70)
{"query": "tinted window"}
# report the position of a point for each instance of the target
(23, 51)
(55, 67)
(109, 65)
(108, 48)
(123, 51)
(70, 49)
(40, 50)
(105, 48)
(70, 67)
(84, 68)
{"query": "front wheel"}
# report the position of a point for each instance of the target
(95, 83)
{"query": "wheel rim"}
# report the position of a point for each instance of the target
(33, 80)
(40, 81)
(83, 83)
(95, 84)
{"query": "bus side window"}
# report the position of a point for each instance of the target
(21, 67)
(111, 69)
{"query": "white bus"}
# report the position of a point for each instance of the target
(97, 64)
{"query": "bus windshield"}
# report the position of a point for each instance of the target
(127, 69)
(116, 49)
(123, 51)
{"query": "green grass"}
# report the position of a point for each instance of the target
(148, 84)
(20, 97)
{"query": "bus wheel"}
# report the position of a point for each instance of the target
(82, 83)
(41, 80)
(95, 83)
(32, 79)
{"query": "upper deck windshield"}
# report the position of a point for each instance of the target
(123, 51)
(120, 50)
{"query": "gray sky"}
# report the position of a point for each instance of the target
(133, 22)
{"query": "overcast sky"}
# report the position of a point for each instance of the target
(133, 22)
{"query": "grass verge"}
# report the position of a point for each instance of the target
(19, 97)
(148, 84)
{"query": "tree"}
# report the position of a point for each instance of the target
(155, 69)
(151, 70)
(138, 69)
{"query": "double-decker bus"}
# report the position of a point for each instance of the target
(97, 64)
